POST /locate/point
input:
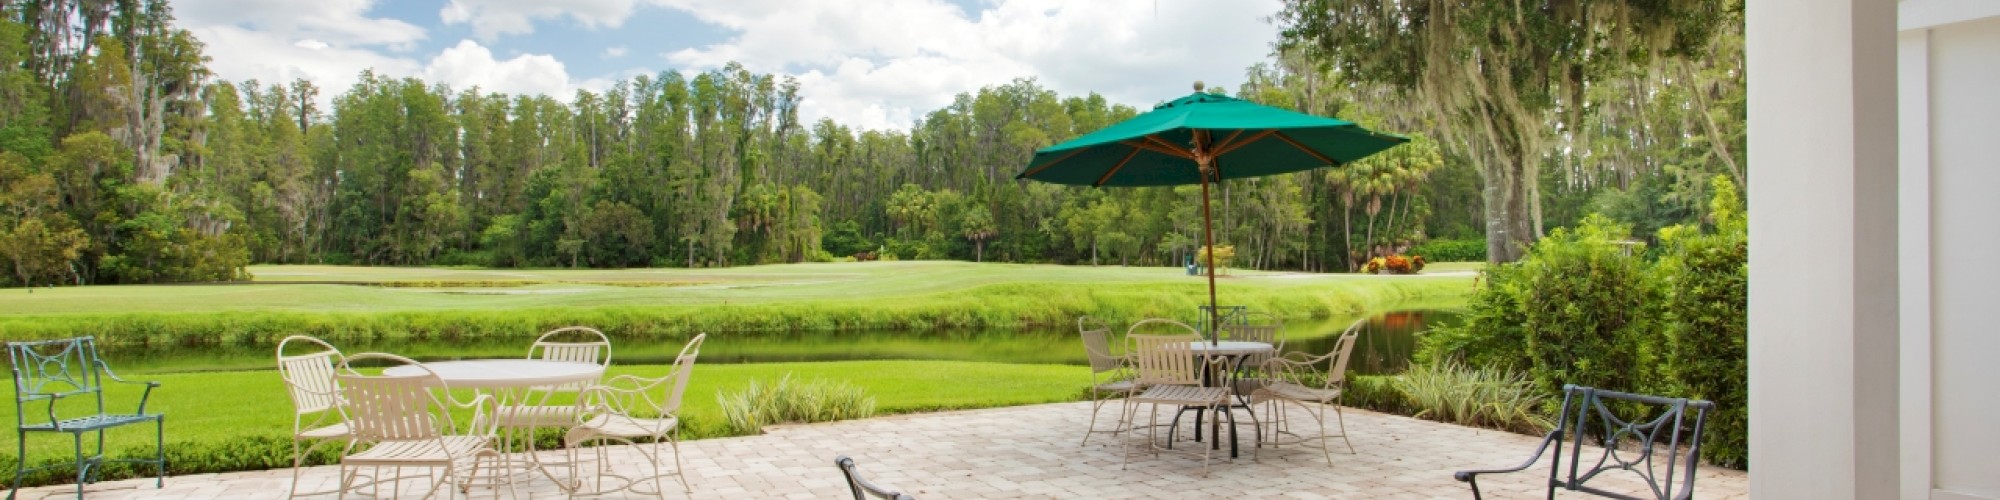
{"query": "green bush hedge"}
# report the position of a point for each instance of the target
(1579, 310)
(1451, 250)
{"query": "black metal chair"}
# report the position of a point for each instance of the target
(861, 487)
(69, 369)
(1671, 427)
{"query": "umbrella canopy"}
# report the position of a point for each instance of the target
(1240, 139)
(1201, 139)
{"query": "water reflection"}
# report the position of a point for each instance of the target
(1384, 347)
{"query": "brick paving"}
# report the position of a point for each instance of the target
(1022, 452)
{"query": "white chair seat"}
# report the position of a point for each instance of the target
(624, 427)
(334, 431)
(1294, 392)
(420, 451)
(1120, 386)
(1182, 394)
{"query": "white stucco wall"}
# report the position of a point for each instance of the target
(1823, 279)
(1950, 73)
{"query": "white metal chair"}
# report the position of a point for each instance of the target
(580, 344)
(1255, 327)
(629, 409)
(317, 414)
(401, 421)
(1110, 375)
(1297, 380)
(1171, 370)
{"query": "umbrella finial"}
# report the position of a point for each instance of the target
(1198, 86)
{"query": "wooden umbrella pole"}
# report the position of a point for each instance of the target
(1204, 162)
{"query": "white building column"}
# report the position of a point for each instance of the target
(1823, 247)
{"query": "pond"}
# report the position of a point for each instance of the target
(1384, 346)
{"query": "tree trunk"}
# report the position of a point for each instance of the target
(1510, 226)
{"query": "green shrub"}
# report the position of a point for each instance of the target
(1704, 286)
(1473, 250)
(748, 411)
(1491, 334)
(1375, 392)
(1584, 309)
(1449, 391)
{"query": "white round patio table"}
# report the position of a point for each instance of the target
(503, 373)
(1232, 348)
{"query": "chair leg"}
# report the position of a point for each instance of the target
(1323, 449)
(1343, 428)
(160, 451)
(679, 471)
(21, 470)
(81, 468)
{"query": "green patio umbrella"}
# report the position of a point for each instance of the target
(1202, 139)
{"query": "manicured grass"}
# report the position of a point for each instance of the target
(926, 296)
(242, 420)
(1453, 267)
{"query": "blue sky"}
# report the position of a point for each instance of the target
(865, 63)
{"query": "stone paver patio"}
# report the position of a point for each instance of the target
(1024, 452)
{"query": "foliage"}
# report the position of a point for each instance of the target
(1451, 250)
(1584, 304)
(1704, 284)
(1499, 83)
(1225, 256)
(1450, 391)
(786, 401)
(1492, 334)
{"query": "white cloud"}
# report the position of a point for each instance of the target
(614, 52)
(469, 64)
(337, 23)
(491, 19)
(883, 63)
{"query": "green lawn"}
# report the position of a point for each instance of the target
(242, 420)
(453, 290)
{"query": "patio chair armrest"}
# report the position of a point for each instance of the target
(484, 412)
(1469, 475)
(638, 383)
(143, 396)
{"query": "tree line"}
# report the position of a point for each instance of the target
(123, 161)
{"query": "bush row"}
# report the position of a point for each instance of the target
(1579, 309)
(1003, 305)
(1473, 250)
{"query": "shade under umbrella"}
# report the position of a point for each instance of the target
(1201, 139)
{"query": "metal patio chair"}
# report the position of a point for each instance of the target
(1110, 375)
(1588, 414)
(56, 371)
(317, 414)
(405, 421)
(636, 411)
(1172, 372)
(580, 344)
(1299, 381)
(861, 487)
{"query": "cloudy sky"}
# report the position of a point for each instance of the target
(866, 63)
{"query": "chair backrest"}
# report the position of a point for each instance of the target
(683, 370)
(50, 369)
(1343, 350)
(308, 376)
(580, 344)
(1594, 413)
(1256, 327)
(1164, 359)
(392, 408)
(1097, 344)
(863, 489)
